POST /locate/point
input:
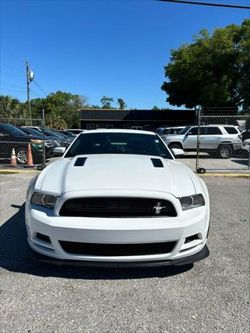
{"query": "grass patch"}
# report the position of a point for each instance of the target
(8, 172)
(231, 175)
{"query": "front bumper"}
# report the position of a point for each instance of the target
(119, 231)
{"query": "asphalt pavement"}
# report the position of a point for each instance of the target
(210, 296)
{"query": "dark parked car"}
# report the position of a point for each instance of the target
(68, 134)
(74, 130)
(245, 135)
(49, 144)
(12, 137)
(51, 135)
(65, 139)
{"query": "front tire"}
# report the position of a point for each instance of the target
(22, 156)
(175, 145)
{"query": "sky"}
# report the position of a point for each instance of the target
(115, 48)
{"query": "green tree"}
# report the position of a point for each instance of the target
(211, 71)
(62, 106)
(37, 105)
(106, 102)
(94, 106)
(55, 121)
(121, 104)
(10, 107)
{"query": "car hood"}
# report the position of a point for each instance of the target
(117, 172)
(34, 137)
(173, 137)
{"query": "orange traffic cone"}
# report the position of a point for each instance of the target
(29, 157)
(13, 162)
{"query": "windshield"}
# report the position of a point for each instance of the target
(51, 133)
(184, 130)
(118, 143)
(68, 134)
(33, 132)
(60, 135)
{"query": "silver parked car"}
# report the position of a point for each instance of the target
(218, 140)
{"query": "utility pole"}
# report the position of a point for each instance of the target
(29, 78)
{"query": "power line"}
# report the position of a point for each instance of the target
(41, 88)
(35, 93)
(206, 4)
(17, 88)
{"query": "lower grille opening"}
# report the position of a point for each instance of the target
(117, 249)
(43, 238)
(191, 238)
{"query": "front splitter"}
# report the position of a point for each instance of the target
(204, 253)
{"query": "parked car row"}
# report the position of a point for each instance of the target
(40, 139)
(216, 140)
(12, 137)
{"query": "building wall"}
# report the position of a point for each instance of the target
(147, 120)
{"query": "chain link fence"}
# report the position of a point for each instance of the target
(222, 142)
(218, 142)
(22, 143)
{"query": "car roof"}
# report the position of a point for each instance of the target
(34, 127)
(227, 125)
(67, 129)
(212, 125)
(171, 127)
(129, 131)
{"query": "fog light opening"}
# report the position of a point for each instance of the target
(192, 238)
(43, 238)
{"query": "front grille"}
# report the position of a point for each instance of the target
(117, 249)
(117, 207)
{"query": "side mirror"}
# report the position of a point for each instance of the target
(177, 152)
(59, 151)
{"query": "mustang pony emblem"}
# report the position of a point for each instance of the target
(158, 208)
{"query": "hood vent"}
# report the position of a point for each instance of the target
(157, 163)
(80, 161)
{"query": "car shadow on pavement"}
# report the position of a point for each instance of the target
(244, 162)
(16, 256)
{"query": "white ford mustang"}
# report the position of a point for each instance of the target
(118, 197)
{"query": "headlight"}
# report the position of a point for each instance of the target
(42, 199)
(56, 143)
(192, 201)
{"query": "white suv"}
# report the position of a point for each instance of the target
(218, 140)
